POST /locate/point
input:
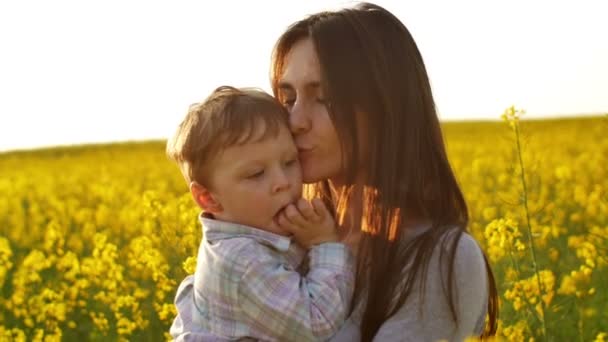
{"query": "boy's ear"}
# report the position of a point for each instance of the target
(204, 198)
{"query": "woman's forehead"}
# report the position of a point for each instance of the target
(301, 67)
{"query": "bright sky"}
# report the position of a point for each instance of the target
(113, 70)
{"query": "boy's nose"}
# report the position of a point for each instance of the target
(281, 182)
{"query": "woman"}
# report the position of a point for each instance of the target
(370, 143)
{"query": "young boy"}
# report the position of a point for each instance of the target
(252, 281)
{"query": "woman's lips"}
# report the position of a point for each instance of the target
(304, 151)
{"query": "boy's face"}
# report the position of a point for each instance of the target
(252, 182)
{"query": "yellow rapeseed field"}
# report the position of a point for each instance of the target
(95, 239)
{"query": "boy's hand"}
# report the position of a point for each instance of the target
(310, 223)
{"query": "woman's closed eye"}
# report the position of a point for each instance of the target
(323, 101)
(289, 102)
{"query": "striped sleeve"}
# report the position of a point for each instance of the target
(281, 304)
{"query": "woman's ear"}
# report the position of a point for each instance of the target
(204, 198)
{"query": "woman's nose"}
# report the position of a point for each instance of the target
(299, 118)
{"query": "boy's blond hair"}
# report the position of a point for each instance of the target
(227, 117)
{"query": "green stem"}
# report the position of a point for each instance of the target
(529, 230)
(529, 311)
(513, 262)
(580, 321)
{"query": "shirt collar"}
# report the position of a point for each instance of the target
(214, 230)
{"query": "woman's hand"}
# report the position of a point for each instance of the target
(309, 222)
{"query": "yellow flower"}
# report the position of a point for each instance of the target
(527, 291)
(489, 213)
(577, 283)
(100, 322)
(563, 172)
(5, 258)
(502, 236)
(553, 254)
(190, 265)
(511, 274)
(512, 115)
(516, 332)
(113, 230)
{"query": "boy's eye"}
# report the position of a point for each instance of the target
(291, 162)
(257, 174)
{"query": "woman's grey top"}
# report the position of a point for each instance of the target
(431, 320)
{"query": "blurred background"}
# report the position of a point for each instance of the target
(98, 229)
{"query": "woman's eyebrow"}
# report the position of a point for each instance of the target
(284, 86)
(312, 85)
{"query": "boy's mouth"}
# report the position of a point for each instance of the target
(276, 215)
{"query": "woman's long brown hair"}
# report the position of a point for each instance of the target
(370, 64)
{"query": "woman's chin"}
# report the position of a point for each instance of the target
(310, 175)
(313, 172)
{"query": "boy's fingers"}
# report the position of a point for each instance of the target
(307, 210)
(285, 223)
(320, 208)
(293, 214)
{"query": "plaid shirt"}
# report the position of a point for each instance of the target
(248, 284)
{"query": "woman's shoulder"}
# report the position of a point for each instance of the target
(454, 246)
(467, 258)
(468, 251)
(427, 314)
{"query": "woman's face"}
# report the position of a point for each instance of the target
(299, 89)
